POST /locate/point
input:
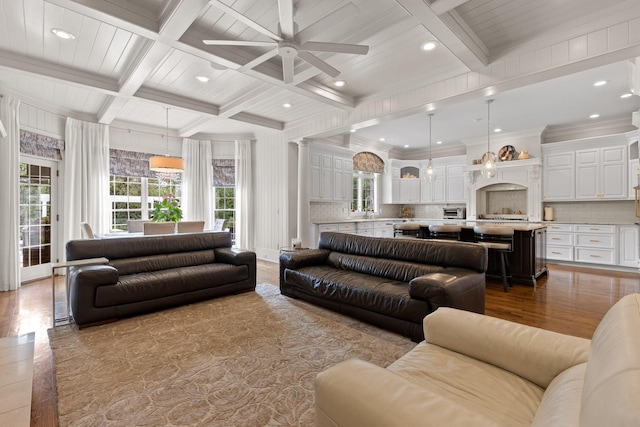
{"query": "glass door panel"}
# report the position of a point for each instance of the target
(37, 178)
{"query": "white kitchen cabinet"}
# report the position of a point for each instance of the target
(595, 243)
(601, 173)
(455, 183)
(558, 179)
(364, 228)
(560, 242)
(629, 245)
(435, 190)
(395, 185)
(409, 190)
(634, 174)
(321, 170)
(342, 179)
(383, 229)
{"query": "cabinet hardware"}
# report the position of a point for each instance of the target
(594, 229)
(555, 238)
(556, 253)
(594, 241)
(594, 256)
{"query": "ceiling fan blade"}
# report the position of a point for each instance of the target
(259, 60)
(318, 63)
(248, 22)
(357, 49)
(329, 21)
(285, 10)
(238, 43)
(287, 70)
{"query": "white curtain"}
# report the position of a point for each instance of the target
(197, 182)
(86, 178)
(244, 195)
(9, 194)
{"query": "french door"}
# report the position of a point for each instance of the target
(38, 219)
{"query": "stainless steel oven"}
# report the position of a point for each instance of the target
(454, 213)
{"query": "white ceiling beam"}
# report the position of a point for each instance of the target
(166, 98)
(57, 72)
(443, 6)
(176, 19)
(250, 97)
(195, 127)
(258, 120)
(465, 47)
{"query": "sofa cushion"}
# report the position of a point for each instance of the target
(612, 378)
(482, 388)
(158, 284)
(402, 271)
(560, 406)
(143, 264)
(374, 293)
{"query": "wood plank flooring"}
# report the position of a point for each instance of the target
(570, 300)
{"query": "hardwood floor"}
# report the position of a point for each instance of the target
(570, 300)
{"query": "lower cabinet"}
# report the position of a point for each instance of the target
(595, 244)
(629, 245)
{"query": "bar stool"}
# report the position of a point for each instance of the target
(445, 231)
(500, 241)
(406, 229)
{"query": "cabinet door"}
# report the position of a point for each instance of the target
(439, 186)
(634, 177)
(315, 183)
(455, 184)
(409, 190)
(395, 185)
(587, 174)
(629, 246)
(558, 177)
(613, 181)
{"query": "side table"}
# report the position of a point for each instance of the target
(67, 264)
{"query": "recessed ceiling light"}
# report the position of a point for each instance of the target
(286, 105)
(352, 130)
(202, 79)
(600, 83)
(594, 116)
(406, 145)
(438, 142)
(339, 83)
(63, 34)
(430, 45)
(626, 95)
(382, 140)
(497, 130)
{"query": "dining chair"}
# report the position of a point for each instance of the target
(136, 225)
(219, 225)
(190, 226)
(87, 232)
(159, 227)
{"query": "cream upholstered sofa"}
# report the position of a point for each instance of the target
(475, 370)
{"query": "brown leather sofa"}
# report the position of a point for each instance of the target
(391, 283)
(149, 273)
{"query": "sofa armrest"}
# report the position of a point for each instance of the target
(535, 354)
(303, 258)
(239, 257)
(83, 283)
(357, 393)
(458, 288)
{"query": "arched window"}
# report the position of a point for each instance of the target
(366, 169)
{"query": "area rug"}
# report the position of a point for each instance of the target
(240, 360)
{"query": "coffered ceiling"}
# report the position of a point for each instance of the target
(131, 58)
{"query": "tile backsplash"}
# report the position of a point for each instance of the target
(323, 211)
(605, 212)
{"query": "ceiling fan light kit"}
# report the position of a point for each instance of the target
(285, 45)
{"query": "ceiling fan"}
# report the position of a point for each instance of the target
(285, 43)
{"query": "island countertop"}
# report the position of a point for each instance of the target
(516, 225)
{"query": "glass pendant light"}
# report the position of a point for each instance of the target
(166, 167)
(489, 158)
(430, 171)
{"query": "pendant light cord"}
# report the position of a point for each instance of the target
(167, 135)
(489, 101)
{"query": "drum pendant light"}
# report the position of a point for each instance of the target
(166, 167)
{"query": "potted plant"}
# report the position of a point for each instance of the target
(166, 210)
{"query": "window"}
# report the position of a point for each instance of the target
(224, 207)
(365, 194)
(133, 197)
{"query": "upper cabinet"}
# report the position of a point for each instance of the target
(331, 177)
(594, 169)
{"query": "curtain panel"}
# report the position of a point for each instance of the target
(39, 145)
(244, 194)
(86, 178)
(10, 194)
(197, 197)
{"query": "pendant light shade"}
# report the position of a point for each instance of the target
(166, 167)
(430, 171)
(489, 158)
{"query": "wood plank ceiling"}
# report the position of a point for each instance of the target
(129, 58)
